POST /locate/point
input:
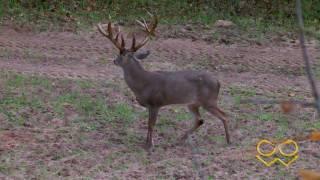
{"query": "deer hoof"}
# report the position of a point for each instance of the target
(149, 145)
(228, 141)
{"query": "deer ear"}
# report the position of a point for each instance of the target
(142, 55)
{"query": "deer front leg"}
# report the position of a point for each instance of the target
(153, 113)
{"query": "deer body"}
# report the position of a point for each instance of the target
(155, 89)
(160, 88)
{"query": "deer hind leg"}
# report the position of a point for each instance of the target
(194, 109)
(214, 110)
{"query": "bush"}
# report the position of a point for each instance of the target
(205, 11)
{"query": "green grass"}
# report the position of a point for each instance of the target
(85, 84)
(311, 125)
(266, 116)
(20, 81)
(26, 94)
(15, 107)
(83, 108)
(94, 108)
(283, 126)
(84, 13)
(242, 91)
(123, 112)
(316, 125)
(217, 139)
(182, 115)
(239, 93)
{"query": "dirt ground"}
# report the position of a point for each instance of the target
(273, 70)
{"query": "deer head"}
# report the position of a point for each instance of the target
(128, 56)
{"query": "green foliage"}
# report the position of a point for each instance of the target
(271, 12)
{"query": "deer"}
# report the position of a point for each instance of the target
(156, 89)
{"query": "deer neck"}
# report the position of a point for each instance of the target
(136, 77)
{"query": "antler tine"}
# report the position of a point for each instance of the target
(145, 23)
(133, 41)
(117, 36)
(141, 24)
(150, 14)
(109, 35)
(144, 42)
(110, 30)
(102, 31)
(155, 24)
(123, 44)
(149, 31)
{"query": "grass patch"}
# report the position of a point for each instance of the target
(217, 139)
(266, 117)
(181, 115)
(95, 108)
(16, 108)
(316, 125)
(240, 93)
(283, 127)
(27, 97)
(311, 125)
(13, 80)
(123, 112)
(85, 84)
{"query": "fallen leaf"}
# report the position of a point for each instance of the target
(291, 94)
(315, 136)
(287, 106)
(309, 175)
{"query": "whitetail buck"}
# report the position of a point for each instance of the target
(160, 88)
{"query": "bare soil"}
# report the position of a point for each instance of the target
(273, 70)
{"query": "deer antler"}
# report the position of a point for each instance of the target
(149, 31)
(134, 47)
(109, 35)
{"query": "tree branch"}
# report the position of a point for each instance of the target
(305, 56)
